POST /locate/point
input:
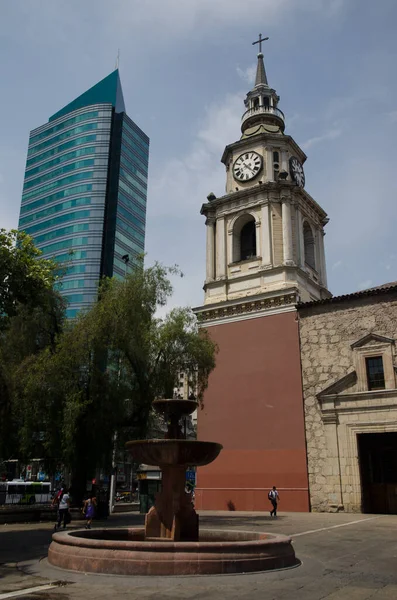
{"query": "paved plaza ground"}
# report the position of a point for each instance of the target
(343, 556)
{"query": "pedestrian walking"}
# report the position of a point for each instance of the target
(274, 499)
(62, 499)
(89, 510)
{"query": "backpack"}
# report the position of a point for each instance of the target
(271, 495)
(58, 497)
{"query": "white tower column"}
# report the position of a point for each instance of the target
(265, 236)
(210, 264)
(287, 232)
(270, 169)
(284, 162)
(220, 248)
(301, 240)
(229, 246)
(258, 237)
(322, 260)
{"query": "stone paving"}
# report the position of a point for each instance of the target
(344, 556)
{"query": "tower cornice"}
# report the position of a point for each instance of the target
(271, 192)
(265, 138)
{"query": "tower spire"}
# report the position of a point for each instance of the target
(262, 113)
(261, 78)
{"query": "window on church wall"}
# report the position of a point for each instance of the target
(256, 102)
(373, 358)
(308, 242)
(375, 373)
(266, 102)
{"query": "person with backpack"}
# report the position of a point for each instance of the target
(274, 499)
(62, 499)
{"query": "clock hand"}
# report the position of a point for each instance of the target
(248, 167)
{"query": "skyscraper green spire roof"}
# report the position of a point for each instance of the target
(108, 91)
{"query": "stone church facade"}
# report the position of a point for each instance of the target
(302, 380)
(344, 411)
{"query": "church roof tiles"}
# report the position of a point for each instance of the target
(385, 288)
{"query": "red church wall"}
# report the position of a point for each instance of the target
(254, 407)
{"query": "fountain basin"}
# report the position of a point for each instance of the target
(173, 452)
(126, 552)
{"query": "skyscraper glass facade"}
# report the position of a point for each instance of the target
(85, 190)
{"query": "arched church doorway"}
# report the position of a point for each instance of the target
(378, 469)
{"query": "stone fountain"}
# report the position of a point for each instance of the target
(173, 516)
(171, 543)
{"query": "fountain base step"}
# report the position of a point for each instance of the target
(127, 552)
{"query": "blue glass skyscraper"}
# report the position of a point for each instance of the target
(85, 190)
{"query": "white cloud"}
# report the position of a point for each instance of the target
(183, 182)
(336, 265)
(332, 134)
(247, 74)
(365, 284)
(177, 189)
(387, 263)
(173, 19)
(151, 22)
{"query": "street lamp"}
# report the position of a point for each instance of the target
(113, 480)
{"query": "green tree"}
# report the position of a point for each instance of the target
(107, 368)
(31, 318)
(25, 276)
(68, 402)
(152, 350)
(28, 334)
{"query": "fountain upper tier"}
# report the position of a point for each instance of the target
(174, 407)
(173, 452)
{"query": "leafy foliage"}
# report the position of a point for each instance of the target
(24, 275)
(152, 350)
(31, 318)
(71, 389)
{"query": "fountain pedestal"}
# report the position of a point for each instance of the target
(173, 516)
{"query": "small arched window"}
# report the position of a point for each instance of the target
(248, 241)
(244, 238)
(308, 241)
(276, 165)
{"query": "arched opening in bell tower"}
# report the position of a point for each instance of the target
(244, 238)
(308, 242)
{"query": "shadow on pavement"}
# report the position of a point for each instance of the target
(19, 543)
(238, 522)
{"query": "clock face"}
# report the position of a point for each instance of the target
(296, 171)
(247, 166)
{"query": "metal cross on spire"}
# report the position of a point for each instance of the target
(261, 39)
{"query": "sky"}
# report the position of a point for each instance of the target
(185, 67)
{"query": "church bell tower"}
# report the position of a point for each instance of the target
(265, 236)
(265, 253)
